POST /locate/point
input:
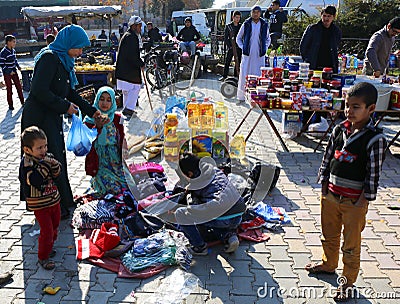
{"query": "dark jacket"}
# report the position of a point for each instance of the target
(188, 34)
(129, 63)
(311, 41)
(92, 159)
(37, 180)
(231, 31)
(8, 61)
(154, 35)
(276, 20)
(264, 35)
(49, 99)
(213, 197)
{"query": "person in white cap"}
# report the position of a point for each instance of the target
(253, 38)
(129, 66)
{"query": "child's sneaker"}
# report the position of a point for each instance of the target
(199, 250)
(232, 244)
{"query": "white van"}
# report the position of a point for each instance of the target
(199, 20)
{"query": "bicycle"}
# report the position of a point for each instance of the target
(163, 69)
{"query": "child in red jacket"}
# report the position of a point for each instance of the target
(104, 161)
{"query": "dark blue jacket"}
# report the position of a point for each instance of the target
(247, 36)
(8, 61)
(311, 41)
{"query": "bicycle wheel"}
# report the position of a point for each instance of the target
(180, 82)
(155, 78)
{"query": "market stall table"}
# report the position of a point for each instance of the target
(97, 78)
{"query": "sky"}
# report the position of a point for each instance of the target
(220, 3)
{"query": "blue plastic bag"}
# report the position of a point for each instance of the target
(80, 137)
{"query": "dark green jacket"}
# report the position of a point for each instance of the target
(48, 100)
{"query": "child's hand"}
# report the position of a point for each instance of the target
(324, 189)
(362, 202)
(51, 161)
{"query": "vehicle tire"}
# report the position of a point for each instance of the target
(228, 90)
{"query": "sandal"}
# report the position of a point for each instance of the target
(315, 268)
(52, 253)
(47, 264)
(343, 293)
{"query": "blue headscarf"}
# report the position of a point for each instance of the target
(110, 113)
(70, 37)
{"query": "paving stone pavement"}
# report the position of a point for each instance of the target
(270, 272)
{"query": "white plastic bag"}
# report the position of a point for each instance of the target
(320, 127)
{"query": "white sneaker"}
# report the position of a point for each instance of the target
(232, 245)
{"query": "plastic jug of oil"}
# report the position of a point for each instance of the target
(171, 146)
(221, 116)
(193, 113)
(171, 120)
(238, 147)
(207, 114)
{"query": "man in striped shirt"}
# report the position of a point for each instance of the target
(349, 174)
(9, 65)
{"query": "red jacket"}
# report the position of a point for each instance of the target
(92, 159)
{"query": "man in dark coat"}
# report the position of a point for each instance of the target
(129, 66)
(320, 41)
(153, 35)
(276, 17)
(231, 31)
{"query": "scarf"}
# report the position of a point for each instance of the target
(70, 37)
(101, 139)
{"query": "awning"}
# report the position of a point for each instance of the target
(64, 11)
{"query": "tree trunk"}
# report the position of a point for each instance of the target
(144, 9)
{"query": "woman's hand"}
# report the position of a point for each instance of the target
(97, 114)
(101, 120)
(72, 109)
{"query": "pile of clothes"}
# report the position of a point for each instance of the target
(122, 229)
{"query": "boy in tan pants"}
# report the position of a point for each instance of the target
(349, 174)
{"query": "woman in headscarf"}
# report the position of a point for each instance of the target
(104, 161)
(53, 94)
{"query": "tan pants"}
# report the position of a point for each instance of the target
(337, 211)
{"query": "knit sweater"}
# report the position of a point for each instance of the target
(37, 179)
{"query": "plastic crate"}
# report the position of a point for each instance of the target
(345, 79)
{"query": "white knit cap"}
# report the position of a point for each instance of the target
(134, 20)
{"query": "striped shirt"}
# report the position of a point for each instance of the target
(8, 61)
(37, 180)
(376, 156)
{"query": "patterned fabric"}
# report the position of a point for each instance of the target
(8, 61)
(110, 177)
(93, 214)
(37, 180)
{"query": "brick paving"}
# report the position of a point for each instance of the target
(256, 273)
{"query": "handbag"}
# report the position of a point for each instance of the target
(80, 136)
